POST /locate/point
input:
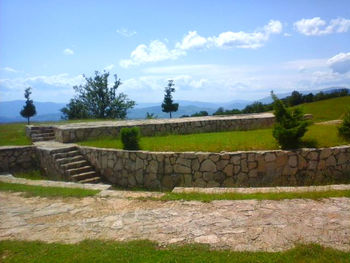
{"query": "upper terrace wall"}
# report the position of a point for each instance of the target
(81, 131)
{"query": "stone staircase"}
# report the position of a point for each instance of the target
(44, 133)
(74, 165)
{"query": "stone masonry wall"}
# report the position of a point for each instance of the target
(158, 170)
(81, 131)
(49, 166)
(17, 158)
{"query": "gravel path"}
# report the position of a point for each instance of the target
(239, 225)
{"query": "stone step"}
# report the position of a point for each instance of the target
(92, 180)
(73, 165)
(64, 150)
(70, 159)
(84, 169)
(66, 154)
(41, 127)
(41, 130)
(83, 176)
(39, 139)
(49, 134)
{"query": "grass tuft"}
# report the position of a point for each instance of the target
(204, 197)
(47, 191)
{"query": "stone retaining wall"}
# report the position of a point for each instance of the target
(158, 170)
(17, 158)
(82, 131)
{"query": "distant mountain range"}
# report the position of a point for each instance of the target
(50, 111)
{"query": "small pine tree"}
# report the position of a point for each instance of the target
(130, 138)
(290, 126)
(344, 129)
(29, 108)
(168, 105)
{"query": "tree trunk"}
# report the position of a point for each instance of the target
(28, 120)
(170, 114)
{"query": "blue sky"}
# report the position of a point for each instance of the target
(215, 51)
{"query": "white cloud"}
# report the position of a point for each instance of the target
(154, 52)
(158, 51)
(9, 69)
(125, 32)
(68, 52)
(340, 63)
(109, 67)
(192, 40)
(317, 27)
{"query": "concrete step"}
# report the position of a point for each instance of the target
(70, 159)
(64, 150)
(39, 139)
(41, 127)
(92, 180)
(49, 134)
(41, 131)
(66, 154)
(83, 176)
(73, 165)
(84, 169)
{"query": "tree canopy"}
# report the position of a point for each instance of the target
(96, 99)
(29, 109)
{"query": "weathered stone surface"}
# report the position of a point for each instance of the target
(208, 166)
(238, 225)
(18, 158)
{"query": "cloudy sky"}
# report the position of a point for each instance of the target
(215, 51)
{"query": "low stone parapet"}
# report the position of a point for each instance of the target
(17, 158)
(165, 170)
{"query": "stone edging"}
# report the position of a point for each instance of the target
(252, 190)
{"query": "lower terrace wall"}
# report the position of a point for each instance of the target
(17, 158)
(82, 131)
(165, 170)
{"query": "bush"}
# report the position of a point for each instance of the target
(130, 138)
(344, 129)
(290, 126)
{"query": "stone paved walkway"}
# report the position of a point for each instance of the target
(238, 225)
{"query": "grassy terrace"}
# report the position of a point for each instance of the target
(326, 110)
(146, 251)
(317, 136)
(13, 134)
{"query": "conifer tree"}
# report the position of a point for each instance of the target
(168, 105)
(29, 108)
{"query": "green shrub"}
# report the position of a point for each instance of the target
(344, 129)
(130, 138)
(289, 126)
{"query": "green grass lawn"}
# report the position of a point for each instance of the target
(203, 197)
(325, 110)
(317, 136)
(13, 134)
(146, 251)
(34, 190)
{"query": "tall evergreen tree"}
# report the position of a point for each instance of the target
(29, 108)
(168, 105)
